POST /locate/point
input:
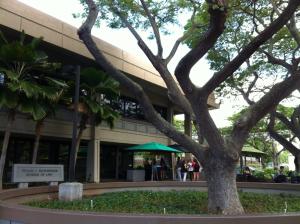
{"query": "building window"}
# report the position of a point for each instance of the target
(130, 108)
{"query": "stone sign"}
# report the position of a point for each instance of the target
(23, 173)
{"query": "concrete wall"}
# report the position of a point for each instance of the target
(125, 131)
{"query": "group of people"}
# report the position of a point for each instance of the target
(279, 175)
(154, 170)
(190, 168)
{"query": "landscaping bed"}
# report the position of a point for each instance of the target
(171, 202)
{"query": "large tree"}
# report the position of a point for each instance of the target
(220, 155)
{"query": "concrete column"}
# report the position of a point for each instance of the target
(93, 161)
(173, 166)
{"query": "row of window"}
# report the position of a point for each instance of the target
(130, 108)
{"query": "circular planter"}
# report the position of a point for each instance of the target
(12, 210)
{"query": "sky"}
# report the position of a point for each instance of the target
(63, 10)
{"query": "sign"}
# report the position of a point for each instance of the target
(23, 173)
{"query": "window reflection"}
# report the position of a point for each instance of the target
(130, 108)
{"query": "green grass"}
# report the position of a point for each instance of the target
(174, 202)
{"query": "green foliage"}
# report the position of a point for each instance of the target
(283, 158)
(258, 137)
(27, 77)
(165, 13)
(96, 86)
(265, 175)
(174, 202)
(179, 125)
(96, 89)
(241, 28)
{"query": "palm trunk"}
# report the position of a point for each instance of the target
(11, 118)
(38, 131)
(78, 139)
(82, 127)
(222, 191)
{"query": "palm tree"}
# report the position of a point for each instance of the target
(49, 106)
(25, 80)
(95, 87)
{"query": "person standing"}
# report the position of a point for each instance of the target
(148, 170)
(154, 170)
(183, 170)
(196, 171)
(178, 168)
(190, 169)
(163, 168)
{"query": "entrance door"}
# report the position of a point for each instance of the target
(108, 162)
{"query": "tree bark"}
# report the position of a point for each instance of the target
(38, 131)
(82, 127)
(222, 191)
(78, 139)
(297, 163)
(11, 118)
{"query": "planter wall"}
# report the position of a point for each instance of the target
(136, 175)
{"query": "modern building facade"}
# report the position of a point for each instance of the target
(102, 154)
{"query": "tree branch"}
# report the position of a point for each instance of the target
(182, 38)
(258, 110)
(249, 49)
(245, 96)
(279, 138)
(295, 119)
(154, 27)
(291, 25)
(174, 93)
(277, 61)
(216, 28)
(162, 125)
(287, 123)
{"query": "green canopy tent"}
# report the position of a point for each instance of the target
(249, 151)
(152, 147)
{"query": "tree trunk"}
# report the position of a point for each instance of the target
(223, 197)
(297, 163)
(38, 131)
(11, 118)
(82, 127)
(78, 139)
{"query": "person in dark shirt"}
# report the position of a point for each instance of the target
(281, 177)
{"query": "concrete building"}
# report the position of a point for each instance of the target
(102, 156)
